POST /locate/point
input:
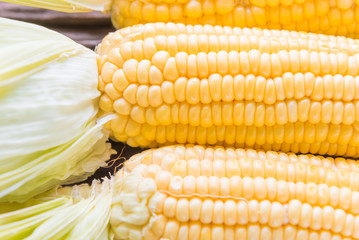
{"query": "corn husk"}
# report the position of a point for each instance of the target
(49, 133)
(79, 212)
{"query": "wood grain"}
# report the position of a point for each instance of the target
(87, 29)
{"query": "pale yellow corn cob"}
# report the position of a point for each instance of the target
(338, 17)
(281, 90)
(193, 192)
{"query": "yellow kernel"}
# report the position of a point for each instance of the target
(138, 114)
(169, 207)
(155, 96)
(130, 93)
(182, 210)
(202, 63)
(105, 103)
(281, 113)
(142, 96)
(149, 48)
(108, 71)
(344, 4)
(183, 113)
(193, 9)
(160, 59)
(132, 128)
(149, 12)
(168, 92)
(163, 115)
(155, 75)
(180, 89)
(170, 71)
(215, 83)
(143, 70)
(162, 13)
(207, 211)
(338, 112)
(192, 70)
(192, 91)
(121, 106)
(222, 62)
(194, 115)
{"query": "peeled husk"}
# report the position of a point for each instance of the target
(49, 133)
(80, 212)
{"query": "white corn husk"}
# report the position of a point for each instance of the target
(49, 134)
(79, 212)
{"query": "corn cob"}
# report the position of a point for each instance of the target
(192, 192)
(270, 89)
(320, 16)
(337, 17)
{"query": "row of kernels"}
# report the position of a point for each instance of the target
(192, 8)
(321, 3)
(260, 189)
(323, 148)
(339, 23)
(194, 44)
(308, 114)
(264, 64)
(275, 214)
(173, 229)
(259, 89)
(222, 135)
(169, 11)
(269, 168)
(157, 11)
(310, 11)
(228, 212)
(167, 29)
(245, 85)
(296, 137)
(288, 133)
(318, 24)
(316, 218)
(270, 188)
(231, 154)
(269, 154)
(167, 156)
(299, 136)
(199, 152)
(243, 18)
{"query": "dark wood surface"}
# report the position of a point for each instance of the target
(87, 29)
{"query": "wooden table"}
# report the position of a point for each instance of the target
(87, 29)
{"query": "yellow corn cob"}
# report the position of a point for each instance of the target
(281, 90)
(192, 192)
(320, 16)
(338, 17)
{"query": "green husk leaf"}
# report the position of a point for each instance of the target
(49, 133)
(67, 5)
(81, 213)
